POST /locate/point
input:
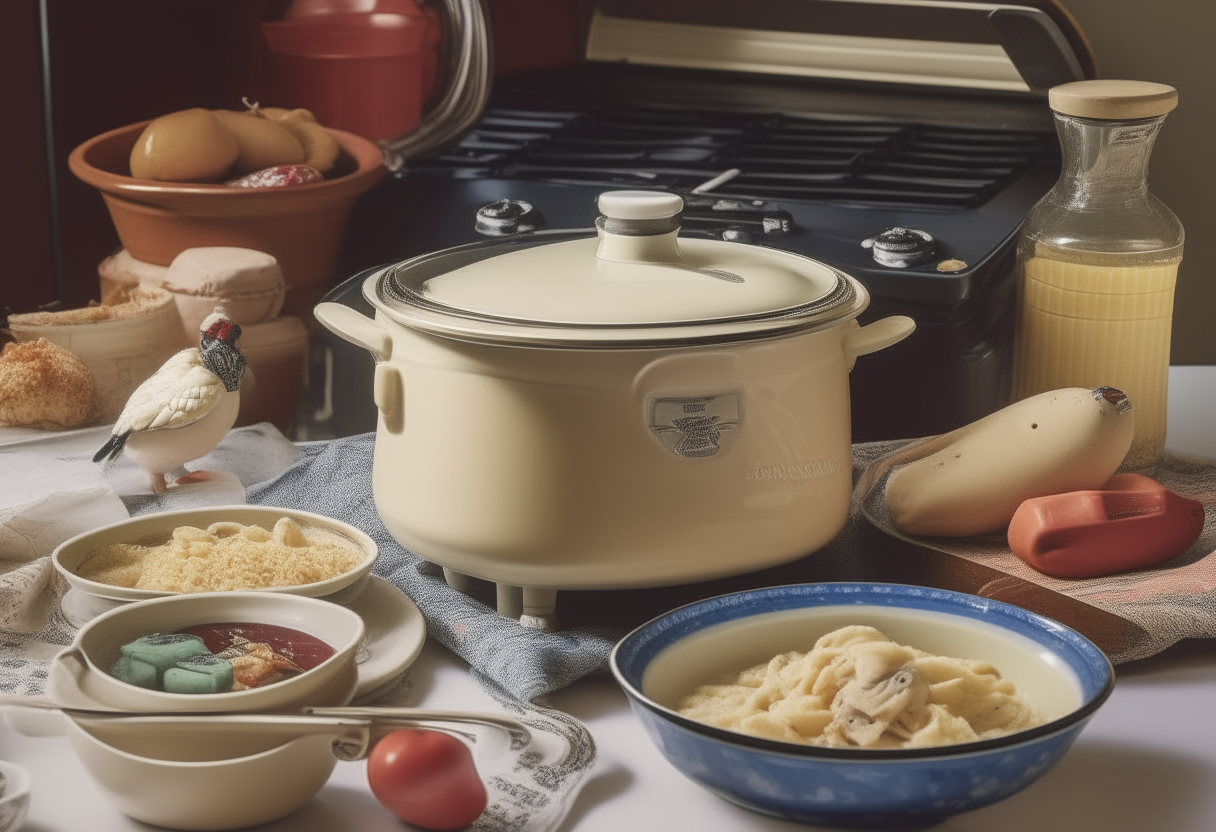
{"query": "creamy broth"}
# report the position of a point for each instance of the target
(858, 688)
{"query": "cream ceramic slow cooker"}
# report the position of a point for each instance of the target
(623, 408)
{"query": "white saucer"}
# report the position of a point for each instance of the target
(396, 632)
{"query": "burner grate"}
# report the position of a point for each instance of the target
(778, 156)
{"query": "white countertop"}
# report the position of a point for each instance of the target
(1146, 763)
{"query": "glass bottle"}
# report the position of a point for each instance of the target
(1098, 259)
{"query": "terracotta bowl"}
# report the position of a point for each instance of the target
(301, 225)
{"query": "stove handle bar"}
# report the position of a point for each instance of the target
(1014, 45)
(468, 78)
(1039, 50)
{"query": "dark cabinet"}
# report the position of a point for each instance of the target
(71, 69)
(100, 66)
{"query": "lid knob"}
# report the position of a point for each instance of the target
(639, 205)
(639, 213)
(639, 226)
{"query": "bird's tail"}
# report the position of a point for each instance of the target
(112, 447)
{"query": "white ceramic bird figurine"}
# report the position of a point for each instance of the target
(184, 409)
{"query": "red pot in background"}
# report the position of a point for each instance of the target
(368, 72)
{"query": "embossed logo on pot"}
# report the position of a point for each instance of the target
(694, 426)
(793, 470)
(797, 474)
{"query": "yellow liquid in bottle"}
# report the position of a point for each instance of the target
(1093, 325)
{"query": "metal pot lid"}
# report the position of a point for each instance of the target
(635, 281)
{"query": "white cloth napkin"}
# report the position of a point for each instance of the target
(52, 490)
(37, 513)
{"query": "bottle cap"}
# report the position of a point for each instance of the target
(1109, 99)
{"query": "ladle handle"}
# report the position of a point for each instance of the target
(355, 729)
(514, 730)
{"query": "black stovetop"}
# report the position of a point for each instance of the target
(820, 170)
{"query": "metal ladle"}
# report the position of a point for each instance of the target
(355, 729)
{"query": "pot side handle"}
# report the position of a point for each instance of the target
(360, 330)
(877, 336)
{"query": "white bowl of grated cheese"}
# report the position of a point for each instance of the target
(214, 549)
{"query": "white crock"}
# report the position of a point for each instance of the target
(552, 421)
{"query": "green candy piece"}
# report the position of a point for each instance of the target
(134, 672)
(164, 650)
(204, 673)
(158, 651)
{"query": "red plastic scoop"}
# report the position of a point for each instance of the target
(1130, 523)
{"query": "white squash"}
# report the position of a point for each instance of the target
(1071, 439)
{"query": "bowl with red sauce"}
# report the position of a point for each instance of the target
(221, 651)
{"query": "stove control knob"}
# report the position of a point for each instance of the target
(507, 216)
(900, 248)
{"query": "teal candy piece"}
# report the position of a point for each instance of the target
(204, 673)
(154, 654)
(164, 650)
(135, 672)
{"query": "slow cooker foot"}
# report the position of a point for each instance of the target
(533, 607)
(458, 580)
(510, 600)
(539, 608)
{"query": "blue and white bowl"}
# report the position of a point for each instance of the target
(1064, 674)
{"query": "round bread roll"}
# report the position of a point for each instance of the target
(248, 284)
(43, 385)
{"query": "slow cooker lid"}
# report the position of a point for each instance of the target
(634, 275)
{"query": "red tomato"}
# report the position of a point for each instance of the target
(426, 778)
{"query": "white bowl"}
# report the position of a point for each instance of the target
(92, 597)
(227, 793)
(14, 796)
(100, 640)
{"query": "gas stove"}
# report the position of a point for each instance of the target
(917, 190)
